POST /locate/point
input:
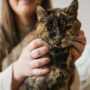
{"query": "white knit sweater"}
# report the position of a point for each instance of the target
(5, 79)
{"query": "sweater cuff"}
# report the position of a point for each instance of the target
(6, 78)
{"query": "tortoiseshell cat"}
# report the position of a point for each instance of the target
(57, 28)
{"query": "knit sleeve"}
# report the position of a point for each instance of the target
(6, 78)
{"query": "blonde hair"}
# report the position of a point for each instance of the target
(9, 23)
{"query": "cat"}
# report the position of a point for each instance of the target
(58, 28)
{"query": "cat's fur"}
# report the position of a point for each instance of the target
(58, 28)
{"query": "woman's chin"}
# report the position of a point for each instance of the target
(25, 10)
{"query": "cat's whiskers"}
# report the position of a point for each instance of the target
(74, 38)
(77, 37)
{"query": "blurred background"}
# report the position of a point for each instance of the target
(83, 13)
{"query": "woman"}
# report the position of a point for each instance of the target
(18, 18)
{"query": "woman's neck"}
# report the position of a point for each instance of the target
(25, 24)
(26, 21)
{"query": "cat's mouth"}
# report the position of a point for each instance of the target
(57, 44)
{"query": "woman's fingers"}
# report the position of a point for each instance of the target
(77, 49)
(39, 62)
(37, 49)
(78, 46)
(81, 38)
(81, 32)
(35, 44)
(40, 71)
(75, 53)
(36, 53)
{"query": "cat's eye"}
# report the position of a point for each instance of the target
(52, 35)
(49, 26)
(68, 27)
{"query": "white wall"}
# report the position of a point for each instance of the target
(83, 14)
(0, 9)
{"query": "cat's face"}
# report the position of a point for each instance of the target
(58, 26)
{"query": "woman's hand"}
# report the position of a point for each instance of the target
(78, 45)
(29, 62)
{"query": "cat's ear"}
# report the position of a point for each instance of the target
(41, 12)
(73, 8)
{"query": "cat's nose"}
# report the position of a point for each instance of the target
(59, 35)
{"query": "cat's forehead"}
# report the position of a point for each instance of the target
(57, 12)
